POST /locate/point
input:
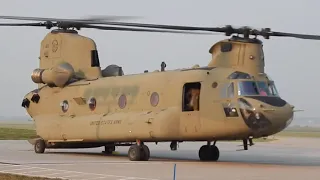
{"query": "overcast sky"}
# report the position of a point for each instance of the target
(292, 63)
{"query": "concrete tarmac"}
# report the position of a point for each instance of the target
(287, 158)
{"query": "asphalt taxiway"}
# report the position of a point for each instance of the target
(287, 158)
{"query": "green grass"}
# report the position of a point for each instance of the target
(17, 126)
(16, 134)
(4, 176)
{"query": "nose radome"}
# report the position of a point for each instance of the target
(280, 117)
(266, 117)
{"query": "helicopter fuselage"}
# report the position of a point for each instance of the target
(79, 105)
(155, 107)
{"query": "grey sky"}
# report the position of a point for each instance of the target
(292, 63)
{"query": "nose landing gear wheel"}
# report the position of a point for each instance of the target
(139, 153)
(209, 153)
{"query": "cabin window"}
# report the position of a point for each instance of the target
(226, 47)
(122, 102)
(64, 106)
(92, 103)
(95, 59)
(154, 99)
(191, 96)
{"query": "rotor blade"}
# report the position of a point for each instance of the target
(228, 29)
(107, 18)
(172, 27)
(104, 20)
(22, 24)
(301, 36)
(89, 20)
(140, 29)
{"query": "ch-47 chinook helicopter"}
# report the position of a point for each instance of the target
(79, 105)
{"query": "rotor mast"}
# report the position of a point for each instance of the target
(239, 53)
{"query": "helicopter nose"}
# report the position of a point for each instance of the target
(266, 115)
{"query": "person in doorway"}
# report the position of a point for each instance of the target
(194, 95)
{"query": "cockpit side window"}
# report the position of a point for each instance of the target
(227, 91)
(230, 90)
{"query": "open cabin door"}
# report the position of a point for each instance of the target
(190, 114)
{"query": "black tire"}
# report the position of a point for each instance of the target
(135, 153)
(145, 153)
(209, 153)
(39, 146)
(214, 153)
(204, 153)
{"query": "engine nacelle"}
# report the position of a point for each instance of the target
(57, 76)
(112, 70)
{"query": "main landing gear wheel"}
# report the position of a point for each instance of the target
(209, 153)
(139, 153)
(39, 146)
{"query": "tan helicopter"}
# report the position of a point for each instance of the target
(79, 105)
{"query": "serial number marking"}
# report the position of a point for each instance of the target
(104, 122)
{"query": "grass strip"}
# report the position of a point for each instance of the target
(16, 134)
(4, 176)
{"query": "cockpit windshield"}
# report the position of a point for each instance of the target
(259, 88)
(272, 88)
(247, 88)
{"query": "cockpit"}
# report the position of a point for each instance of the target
(258, 102)
(248, 86)
(257, 88)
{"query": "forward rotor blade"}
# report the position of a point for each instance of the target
(141, 29)
(301, 36)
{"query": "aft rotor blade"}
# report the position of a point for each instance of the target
(22, 24)
(140, 29)
(301, 36)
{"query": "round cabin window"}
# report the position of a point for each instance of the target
(214, 85)
(64, 106)
(92, 103)
(122, 102)
(154, 99)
